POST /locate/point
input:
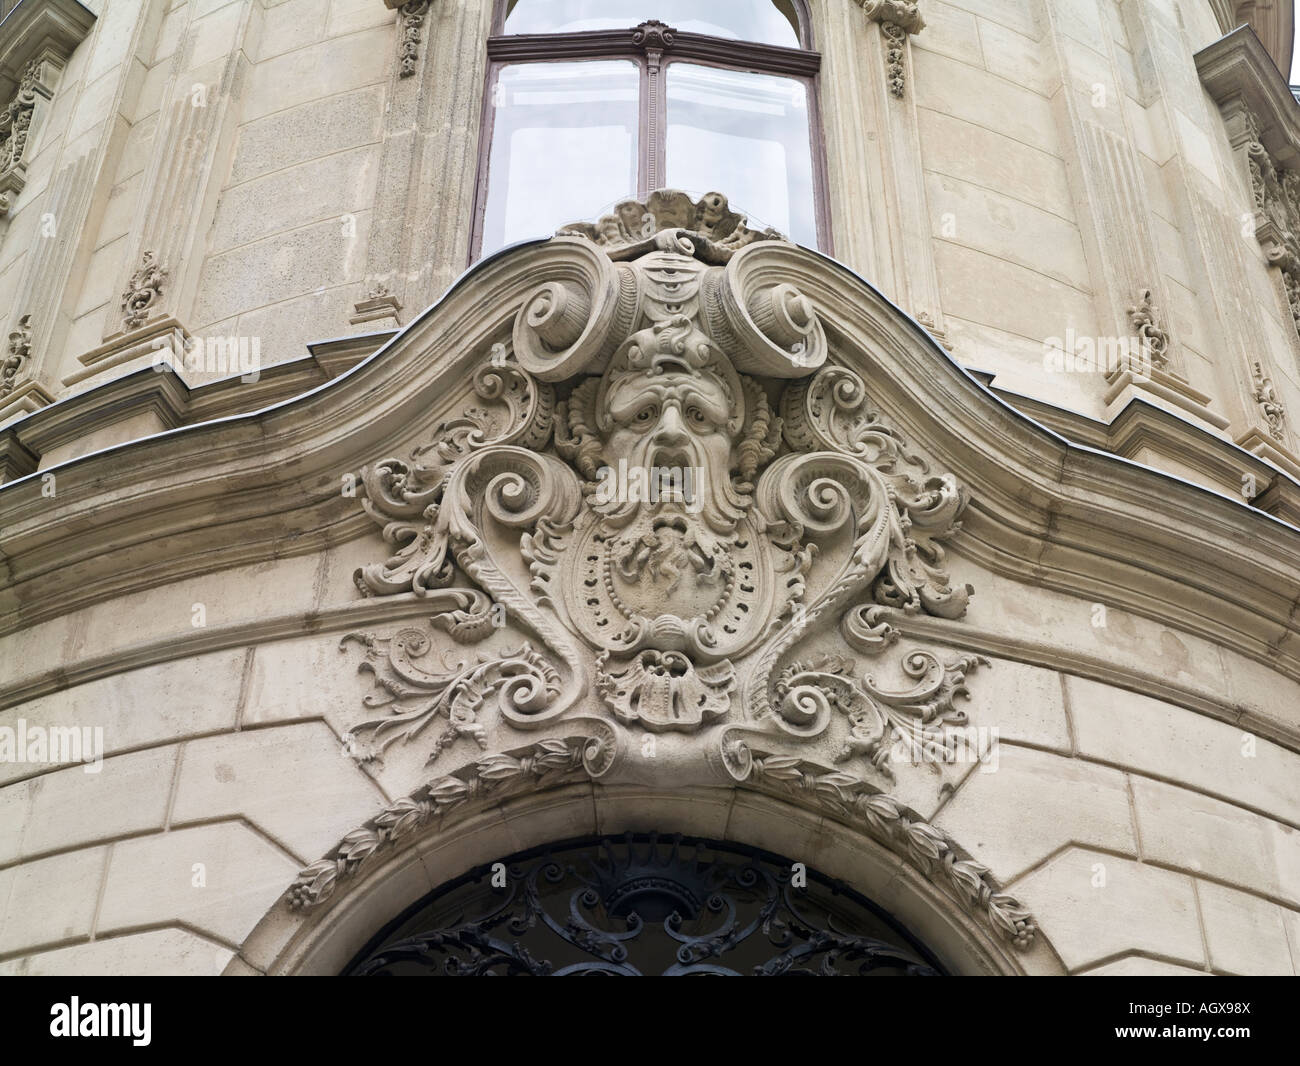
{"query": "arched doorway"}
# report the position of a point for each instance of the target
(644, 905)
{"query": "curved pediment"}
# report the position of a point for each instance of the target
(766, 323)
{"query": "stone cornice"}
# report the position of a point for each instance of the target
(176, 403)
(202, 498)
(37, 26)
(1272, 20)
(1239, 75)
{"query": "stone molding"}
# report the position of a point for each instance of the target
(1099, 527)
(898, 20)
(1272, 20)
(595, 755)
(1262, 120)
(47, 425)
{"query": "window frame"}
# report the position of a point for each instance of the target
(802, 63)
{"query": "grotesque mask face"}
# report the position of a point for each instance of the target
(670, 410)
(673, 425)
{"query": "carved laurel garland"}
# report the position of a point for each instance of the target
(668, 489)
(553, 763)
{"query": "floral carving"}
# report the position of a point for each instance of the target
(412, 20)
(523, 683)
(1270, 406)
(1276, 193)
(539, 766)
(898, 19)
(665, 220)
(20, 349)
(888, 820)
(881, 722)
(1154, 340)
(144, 290)
(669, 337)
(15, 126)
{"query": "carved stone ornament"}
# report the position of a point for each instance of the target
(897, 19)
(1269, 403)
(412, 19)
(668, 513)
(1276, 192)
(143, 291)
(20, 349)
(15, 124)
(1143, 318)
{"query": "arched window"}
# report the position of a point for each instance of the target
(590, 102)
(641, 906)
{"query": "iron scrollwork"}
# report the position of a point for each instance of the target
(640, 905)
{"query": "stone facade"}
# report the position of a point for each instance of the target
(1006, 639)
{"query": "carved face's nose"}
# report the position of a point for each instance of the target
(671, 429)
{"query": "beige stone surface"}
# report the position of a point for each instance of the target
(73, 807)
(1101, 906)
(145, 707)
(1194, 832)
(997, 196)
(1073, 802)
(50, 900)
(1129, 730)
(158, 952)
(295, 783)
(217, 879)
(1245, 934)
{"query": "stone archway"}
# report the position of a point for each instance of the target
(324, 939)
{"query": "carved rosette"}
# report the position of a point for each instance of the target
(667, 510)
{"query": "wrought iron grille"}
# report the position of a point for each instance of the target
(641, 905)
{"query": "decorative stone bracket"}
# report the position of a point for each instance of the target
(898, 19)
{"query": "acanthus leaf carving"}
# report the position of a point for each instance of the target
(1144, 318)
(523, 683)
(143, 291)
(20, 350)
(1270, 405)
(669, 487)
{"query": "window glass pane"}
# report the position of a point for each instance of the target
(745, 20)
(744, 135)
(564, 142)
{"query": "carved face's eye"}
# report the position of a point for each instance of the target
(696, 415)
(647, 414)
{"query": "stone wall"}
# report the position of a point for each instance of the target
(1045, 162)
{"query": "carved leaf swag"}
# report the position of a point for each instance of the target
(1276, 192)
(412, 15)
(20, 350)
(15, 127)
(552, 763)
(881, 723)
(666, 597)
(928, 848)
